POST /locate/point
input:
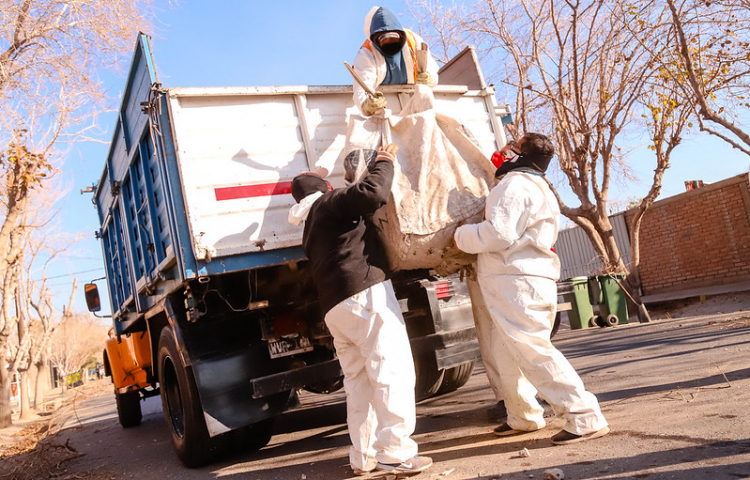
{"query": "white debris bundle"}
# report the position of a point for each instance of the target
(441, 180)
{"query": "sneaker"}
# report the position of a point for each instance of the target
(497, 412)
(415, 464)
(506, 430)
(360, 471)
(564, 437)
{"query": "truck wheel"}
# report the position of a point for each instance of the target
(429, 376)
(182, 407)
(455, 378)
(129, 408)
(253, 437)
(326, 387)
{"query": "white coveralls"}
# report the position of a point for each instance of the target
(484, 326)
(517, 272)
(373, 348)
(371, 65)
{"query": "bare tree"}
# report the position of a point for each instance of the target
(712, 67)
(55, 49)
(584, 71)
(50, 56)
(75, 342)
(24, 171)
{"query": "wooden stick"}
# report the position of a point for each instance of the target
(359, 80)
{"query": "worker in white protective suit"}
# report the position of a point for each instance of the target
(388, 57)
(517, 271)
(350, 270)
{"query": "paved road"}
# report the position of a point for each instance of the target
(676, 394)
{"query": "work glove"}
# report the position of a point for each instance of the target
(373, 104)
(426, 79)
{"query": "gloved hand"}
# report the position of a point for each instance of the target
(387, 152)
(373, 104)
(425, 79)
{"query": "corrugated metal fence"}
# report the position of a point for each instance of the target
(577, 255)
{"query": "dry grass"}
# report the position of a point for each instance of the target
(34, 453)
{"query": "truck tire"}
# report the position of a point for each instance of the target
(253, 437)
(429, 376)
(182, 407)
(129, 408)
(326, 387)
(455, 378)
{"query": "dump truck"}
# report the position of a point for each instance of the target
(212, 302)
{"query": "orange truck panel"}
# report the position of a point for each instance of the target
(128, 358)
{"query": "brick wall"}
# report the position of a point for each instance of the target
(698, 238)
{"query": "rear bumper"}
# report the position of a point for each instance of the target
(451, 349)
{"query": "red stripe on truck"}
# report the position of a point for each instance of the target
(249, 191)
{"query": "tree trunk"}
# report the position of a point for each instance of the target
(42, 382)
(23, 388)
(33, 376)
(6, 419)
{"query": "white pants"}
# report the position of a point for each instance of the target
(484, 326)
(373, 348)
(523, 313)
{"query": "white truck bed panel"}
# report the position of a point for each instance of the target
(238, 151)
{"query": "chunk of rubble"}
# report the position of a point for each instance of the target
(553, 474)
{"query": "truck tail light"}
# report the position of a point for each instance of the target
(282, 325)
(443, 289)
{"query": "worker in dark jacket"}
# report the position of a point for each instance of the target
(350, 269)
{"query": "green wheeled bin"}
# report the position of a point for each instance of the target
(577, 294)
(613, 307)
(615, 301)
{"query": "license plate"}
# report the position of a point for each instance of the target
(289, 346)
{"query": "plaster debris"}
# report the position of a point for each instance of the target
(554, 474)
(523, 453)
(448, 472)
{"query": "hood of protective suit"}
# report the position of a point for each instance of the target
(306, 189)
(378, 20)
(305, 184)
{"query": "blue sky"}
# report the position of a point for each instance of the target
(252, 43)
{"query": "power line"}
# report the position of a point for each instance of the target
(75, 273)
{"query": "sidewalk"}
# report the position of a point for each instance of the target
(741, 288)
(53, 401)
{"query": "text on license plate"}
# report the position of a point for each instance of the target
(289, 346)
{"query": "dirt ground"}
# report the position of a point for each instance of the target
(30, 449)
(707, 430)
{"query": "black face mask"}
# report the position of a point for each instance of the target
(528, 163)
(391, 48)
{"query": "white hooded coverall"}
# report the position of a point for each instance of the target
(517, 272)
(373, 348)
(370, 64)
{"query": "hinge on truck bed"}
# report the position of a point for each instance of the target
(203, 252)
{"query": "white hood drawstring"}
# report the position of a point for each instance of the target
(298, 213)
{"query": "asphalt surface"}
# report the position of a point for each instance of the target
(676, 393)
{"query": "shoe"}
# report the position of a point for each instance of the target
(360, 471)
(497, 412)
(564, 437)
(506, 430)
(415, 464)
